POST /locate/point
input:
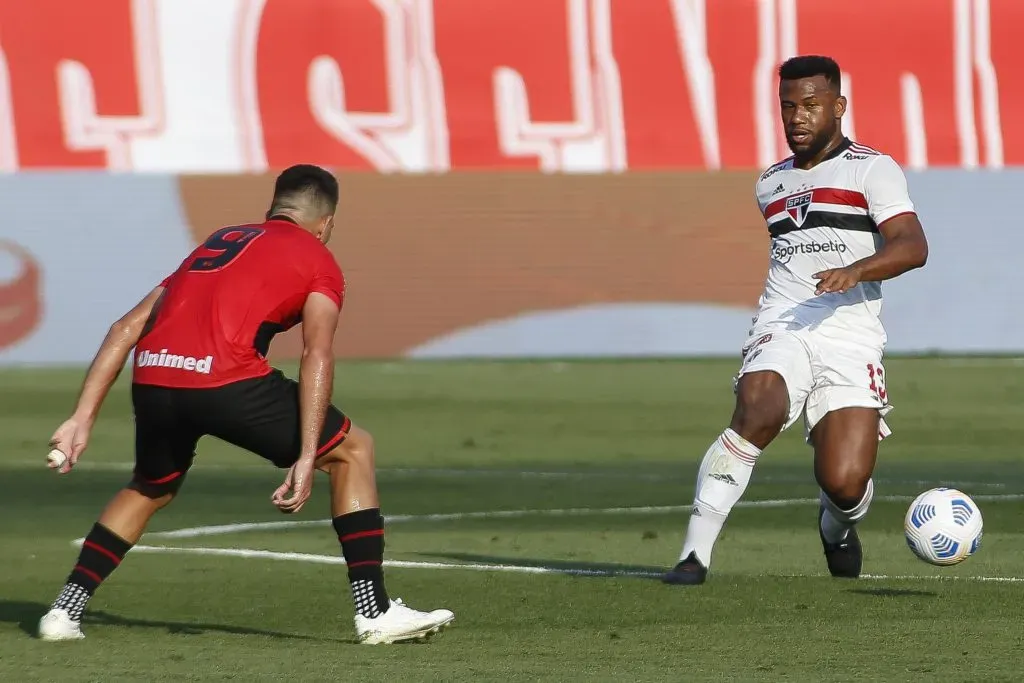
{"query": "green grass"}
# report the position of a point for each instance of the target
(477, 437)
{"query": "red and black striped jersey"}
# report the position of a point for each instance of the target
(228, 299)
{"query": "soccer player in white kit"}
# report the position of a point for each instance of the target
(841, 221)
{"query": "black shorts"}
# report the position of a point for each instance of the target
(260, 415)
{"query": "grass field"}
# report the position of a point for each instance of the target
(547, 596)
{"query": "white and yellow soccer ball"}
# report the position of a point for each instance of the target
(943, 526)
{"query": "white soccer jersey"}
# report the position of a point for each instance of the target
(822, 218)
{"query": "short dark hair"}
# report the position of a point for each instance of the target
(305, 184)
(806, 66)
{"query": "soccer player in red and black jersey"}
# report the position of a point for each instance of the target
(201, 339)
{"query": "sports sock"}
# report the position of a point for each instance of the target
(361, 535)
(722, 479)
(101, 553)
(836, 522)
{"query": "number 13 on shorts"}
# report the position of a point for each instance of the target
(876, 374)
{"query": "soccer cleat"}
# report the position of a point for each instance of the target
(844, 558)
(57, 625)
(689, 572)
(401, 623)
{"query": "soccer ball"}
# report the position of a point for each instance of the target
(943, 527)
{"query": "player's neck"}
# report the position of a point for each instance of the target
(826, 153)
(282, 217)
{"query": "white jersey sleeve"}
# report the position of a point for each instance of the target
(885, 189)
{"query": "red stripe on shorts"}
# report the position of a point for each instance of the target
(163, 480)
(337, 439)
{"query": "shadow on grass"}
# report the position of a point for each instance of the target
(27, 614)
(564, 567)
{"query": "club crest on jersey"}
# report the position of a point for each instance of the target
(798, 205)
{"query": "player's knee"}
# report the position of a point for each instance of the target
(356, 449)
(762, 405)
(845, 486)
(159, 494)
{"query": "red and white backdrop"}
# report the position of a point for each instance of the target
(435, 85)
(197, 102)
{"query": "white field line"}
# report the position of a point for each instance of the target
(455, 473)
(222, 529)
(646, 476)
(402, 564)
(506, 568)
(911, 577)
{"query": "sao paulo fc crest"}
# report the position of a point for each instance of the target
(798, 205)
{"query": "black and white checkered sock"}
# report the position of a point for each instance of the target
(361, 534)
(73, 598)
(365, 596)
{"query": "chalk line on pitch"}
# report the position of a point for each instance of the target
(514, 568)
(470, 473)
(213, 530)
(221, 529)
(241, 527)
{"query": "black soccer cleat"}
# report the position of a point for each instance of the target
(844, 558)
(689, 572)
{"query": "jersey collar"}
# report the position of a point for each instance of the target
(840, 148)
(281, 218)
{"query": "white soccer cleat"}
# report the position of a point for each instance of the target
(57, 625)
(401, 623)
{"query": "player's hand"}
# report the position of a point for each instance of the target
(71, 438)
(299, 481)
(284, 488)
(837, 280)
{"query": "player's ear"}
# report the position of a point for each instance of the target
(840, 107)
(325, 229)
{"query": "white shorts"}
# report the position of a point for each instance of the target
(822, 374)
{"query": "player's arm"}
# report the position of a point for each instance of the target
(316, 369)
(905, 248)
(72, 437)
(106, 366)
(316, 380)
(316, 376)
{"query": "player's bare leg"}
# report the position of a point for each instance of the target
(128, 513)
(845, 449)
(355, 509)
(762, 406)
(353, 472)
(118, 529)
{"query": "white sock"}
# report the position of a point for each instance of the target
(836, 522)
(722, 479)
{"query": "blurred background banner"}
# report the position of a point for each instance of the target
(555, 85)
(520, 178)
(499, 264)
